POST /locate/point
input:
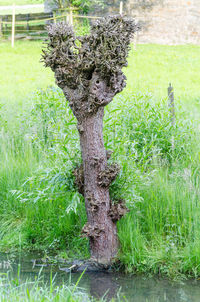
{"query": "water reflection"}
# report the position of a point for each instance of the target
(134, 288)
(103, 284)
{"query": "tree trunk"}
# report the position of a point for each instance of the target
(100, 228)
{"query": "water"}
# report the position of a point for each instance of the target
(134, 288)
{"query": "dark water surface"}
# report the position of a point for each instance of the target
(134, 288)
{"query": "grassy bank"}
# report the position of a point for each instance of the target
(15, 290)
(39, 147)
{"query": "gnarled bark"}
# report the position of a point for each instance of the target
(88, 70)
(100, 228)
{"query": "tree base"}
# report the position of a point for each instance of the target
(87, 266)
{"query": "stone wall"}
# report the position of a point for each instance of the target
(166, 21)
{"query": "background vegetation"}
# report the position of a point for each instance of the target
(39, 148)
(83, 5)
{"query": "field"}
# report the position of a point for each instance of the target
(176, 64)
(6, 7)
(20, 2)
(22, 72)
(39, 147)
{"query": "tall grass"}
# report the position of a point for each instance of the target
(15, 290)
(162, 234)
(40, 206)
(43, 208)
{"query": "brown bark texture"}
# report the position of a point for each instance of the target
(89, 71)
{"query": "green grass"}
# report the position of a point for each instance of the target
(22, 72)
(15, 290)
(20, 10)
(39, 147)
(20, 2)
(152, 67)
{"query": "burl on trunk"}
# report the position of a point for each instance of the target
(89, 71)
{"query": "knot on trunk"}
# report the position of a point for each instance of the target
(118, 210)
(80, 128)
(108, 175)
(93, 202)
(96, 161)
(92, 231)
(79, 179)
(108, 154)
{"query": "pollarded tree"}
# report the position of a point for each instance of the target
(89, 71)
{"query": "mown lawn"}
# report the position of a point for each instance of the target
(151, 68)
(19, 9)
(21, 71)
(20, 2)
